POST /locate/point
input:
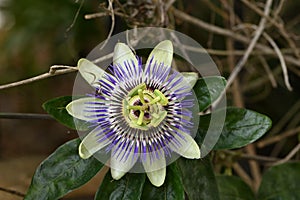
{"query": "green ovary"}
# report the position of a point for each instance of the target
(143, 108)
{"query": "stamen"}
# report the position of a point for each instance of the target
(134, 91)
(141, 117)
(157, 99)
(164, 101)
(141, 95)
(141, 108)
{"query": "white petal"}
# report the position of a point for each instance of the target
(122, 53)
(157, 178)
(90, 72)
(162, 53)
(190, 77)
(116, 174)
(92, 143)
(188, 147)
(155, 169)
(78, 107)
(120, 165)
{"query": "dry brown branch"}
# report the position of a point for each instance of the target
(75, 17)
(278, 52)
(241, 172)
(219, 52)
(25, 116)
(254, 168)
(251, 46)
(278, 138)
(289, 156)
(268, 71)
(111, 9)
(221, 31)
(13, 192)
(259, 158)
(216, 9)
(55, 70)
(278, 25)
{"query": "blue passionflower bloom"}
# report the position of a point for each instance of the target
(141, 114)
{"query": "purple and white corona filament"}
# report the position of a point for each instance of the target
(141, 114)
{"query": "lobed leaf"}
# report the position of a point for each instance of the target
(281, 182)
(129, 187)
(62, 172)
(241, 127)
(172, 189)
(233, 188)
(208, 89)
(198, 179)
(57, 109)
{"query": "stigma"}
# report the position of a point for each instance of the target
(144, 108)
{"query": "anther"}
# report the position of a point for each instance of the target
(157, 99)
(143, 107)
(141, 117)
(141, 95)
(163, 101)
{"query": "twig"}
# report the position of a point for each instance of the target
(106, 57)
(255, 171)
(13, 192)
(219, 52)
(216, 9)
(283, 65)
(248, 51)
(168, 4)
(268, 70)
(260, 81)
(183, 51)
(24, 116)
(111, 9)
(259, 158)
(251, 46)
(76, 16)
(289, 156)
(95, 15)
(54, 71)
(279, 8)
(278, 138)
(278, 52)
(241, 172)
(254, 168)
(250, 156)
(237, 96)
(279, 26)
(228, 33)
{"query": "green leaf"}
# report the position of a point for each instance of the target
(198, 179)
(241, 127)
(57, 109)
(129, 187)
(62, 172)
(172, 189)
(208, 89)
(233, 188)
(281, 182)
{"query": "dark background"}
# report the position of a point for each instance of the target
(35, 35)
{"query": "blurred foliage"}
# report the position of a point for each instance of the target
(43, 33)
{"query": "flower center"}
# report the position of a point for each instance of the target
(143, 108)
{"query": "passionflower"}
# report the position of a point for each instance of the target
(140, 114)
